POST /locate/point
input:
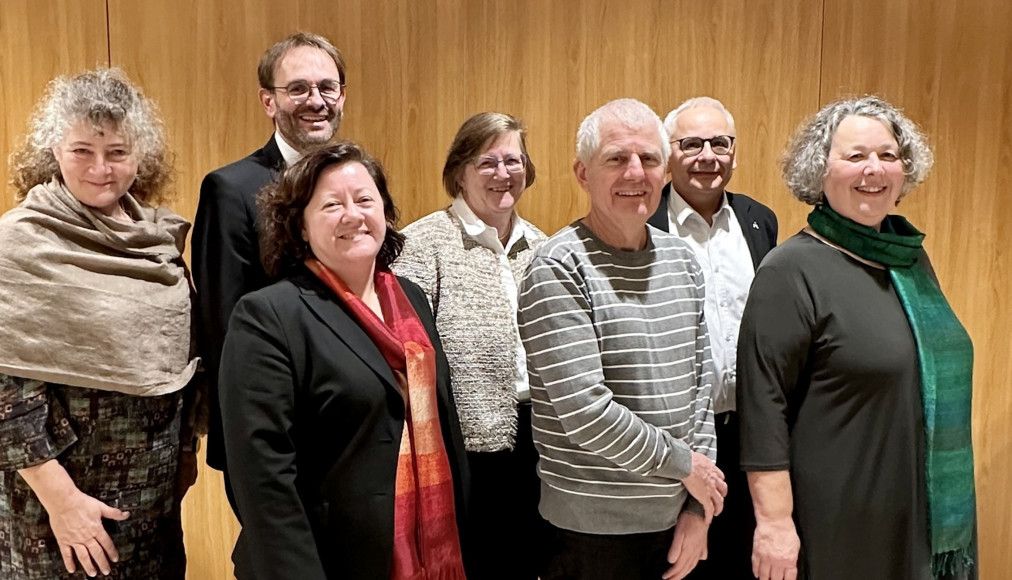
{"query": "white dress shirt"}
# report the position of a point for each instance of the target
(488, 237)
(288, 153)
(724, 256)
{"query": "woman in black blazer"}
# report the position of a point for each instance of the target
(341, 438)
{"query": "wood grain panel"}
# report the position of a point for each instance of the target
(39, 40)
(429, 65)
(950, 67)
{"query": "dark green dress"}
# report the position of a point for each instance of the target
(828, 387)
(123, 450)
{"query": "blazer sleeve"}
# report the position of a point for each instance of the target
(257, 385)
(226, 266)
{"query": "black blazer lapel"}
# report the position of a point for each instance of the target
(333, 315)
(270, 157)
(758, 225)
(749, 227)
(660, 218)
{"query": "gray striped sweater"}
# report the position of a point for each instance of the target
(620, 375)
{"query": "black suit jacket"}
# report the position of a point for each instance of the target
(312, 421)
(226, 262)
(758, 222)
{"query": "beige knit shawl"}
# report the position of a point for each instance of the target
(89, 301)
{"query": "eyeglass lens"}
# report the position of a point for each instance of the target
(488, 165)
(720, 145)
(330, 90)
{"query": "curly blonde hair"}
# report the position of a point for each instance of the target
(100, 97)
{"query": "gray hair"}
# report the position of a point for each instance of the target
(631, 113)
(100, 97)
(805, 160)
(696, 103)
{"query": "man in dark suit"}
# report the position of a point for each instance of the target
(729, 233)
(302, 91)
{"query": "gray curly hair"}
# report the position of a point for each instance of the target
(631, 113)
(100, 97)
(805, 160)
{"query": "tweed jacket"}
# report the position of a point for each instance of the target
(474, 318)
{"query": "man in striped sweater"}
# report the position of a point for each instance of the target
(611, 316)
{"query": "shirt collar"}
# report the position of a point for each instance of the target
(681, 210)
(287, 151)
(476, 228)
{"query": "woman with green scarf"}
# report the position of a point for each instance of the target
(854, 373)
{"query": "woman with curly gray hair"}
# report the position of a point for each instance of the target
(98, 413)
(854, 373)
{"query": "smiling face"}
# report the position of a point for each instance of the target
(624, 179)
(703, 176)
(344, 221)
(98, 166)
(314, 121)
(864, 176)
(493, 197)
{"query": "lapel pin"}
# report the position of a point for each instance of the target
(755, 225)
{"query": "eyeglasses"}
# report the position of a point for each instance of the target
(488, 165)
(299, 91)
(691, 146)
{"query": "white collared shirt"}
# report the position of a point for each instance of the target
(488, 237)
(288, 152)
(724, 256)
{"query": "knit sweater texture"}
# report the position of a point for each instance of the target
(620, 375)
(476, 323)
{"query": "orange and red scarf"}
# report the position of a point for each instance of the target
(426, 540)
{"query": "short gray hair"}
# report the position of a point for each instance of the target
(805, 160)
(98, 97)
(696, 103)
(631, 113)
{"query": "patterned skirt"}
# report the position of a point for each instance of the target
(126, 455)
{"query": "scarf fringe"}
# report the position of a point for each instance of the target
(952, 563)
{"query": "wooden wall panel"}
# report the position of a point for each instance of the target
(417, 69)
(950, 68)
(433, 63)
(40, 40)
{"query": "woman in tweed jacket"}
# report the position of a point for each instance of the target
(469, 259)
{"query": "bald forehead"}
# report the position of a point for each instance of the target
(703, 122)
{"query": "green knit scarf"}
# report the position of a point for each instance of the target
(945, 360)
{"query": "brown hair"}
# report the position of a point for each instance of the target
(269, 61)
(470, 139)
(281, 206)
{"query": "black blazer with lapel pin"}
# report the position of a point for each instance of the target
(312, 419)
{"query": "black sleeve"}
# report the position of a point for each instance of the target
(226, 266)
(257, 386)
(773, 346)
